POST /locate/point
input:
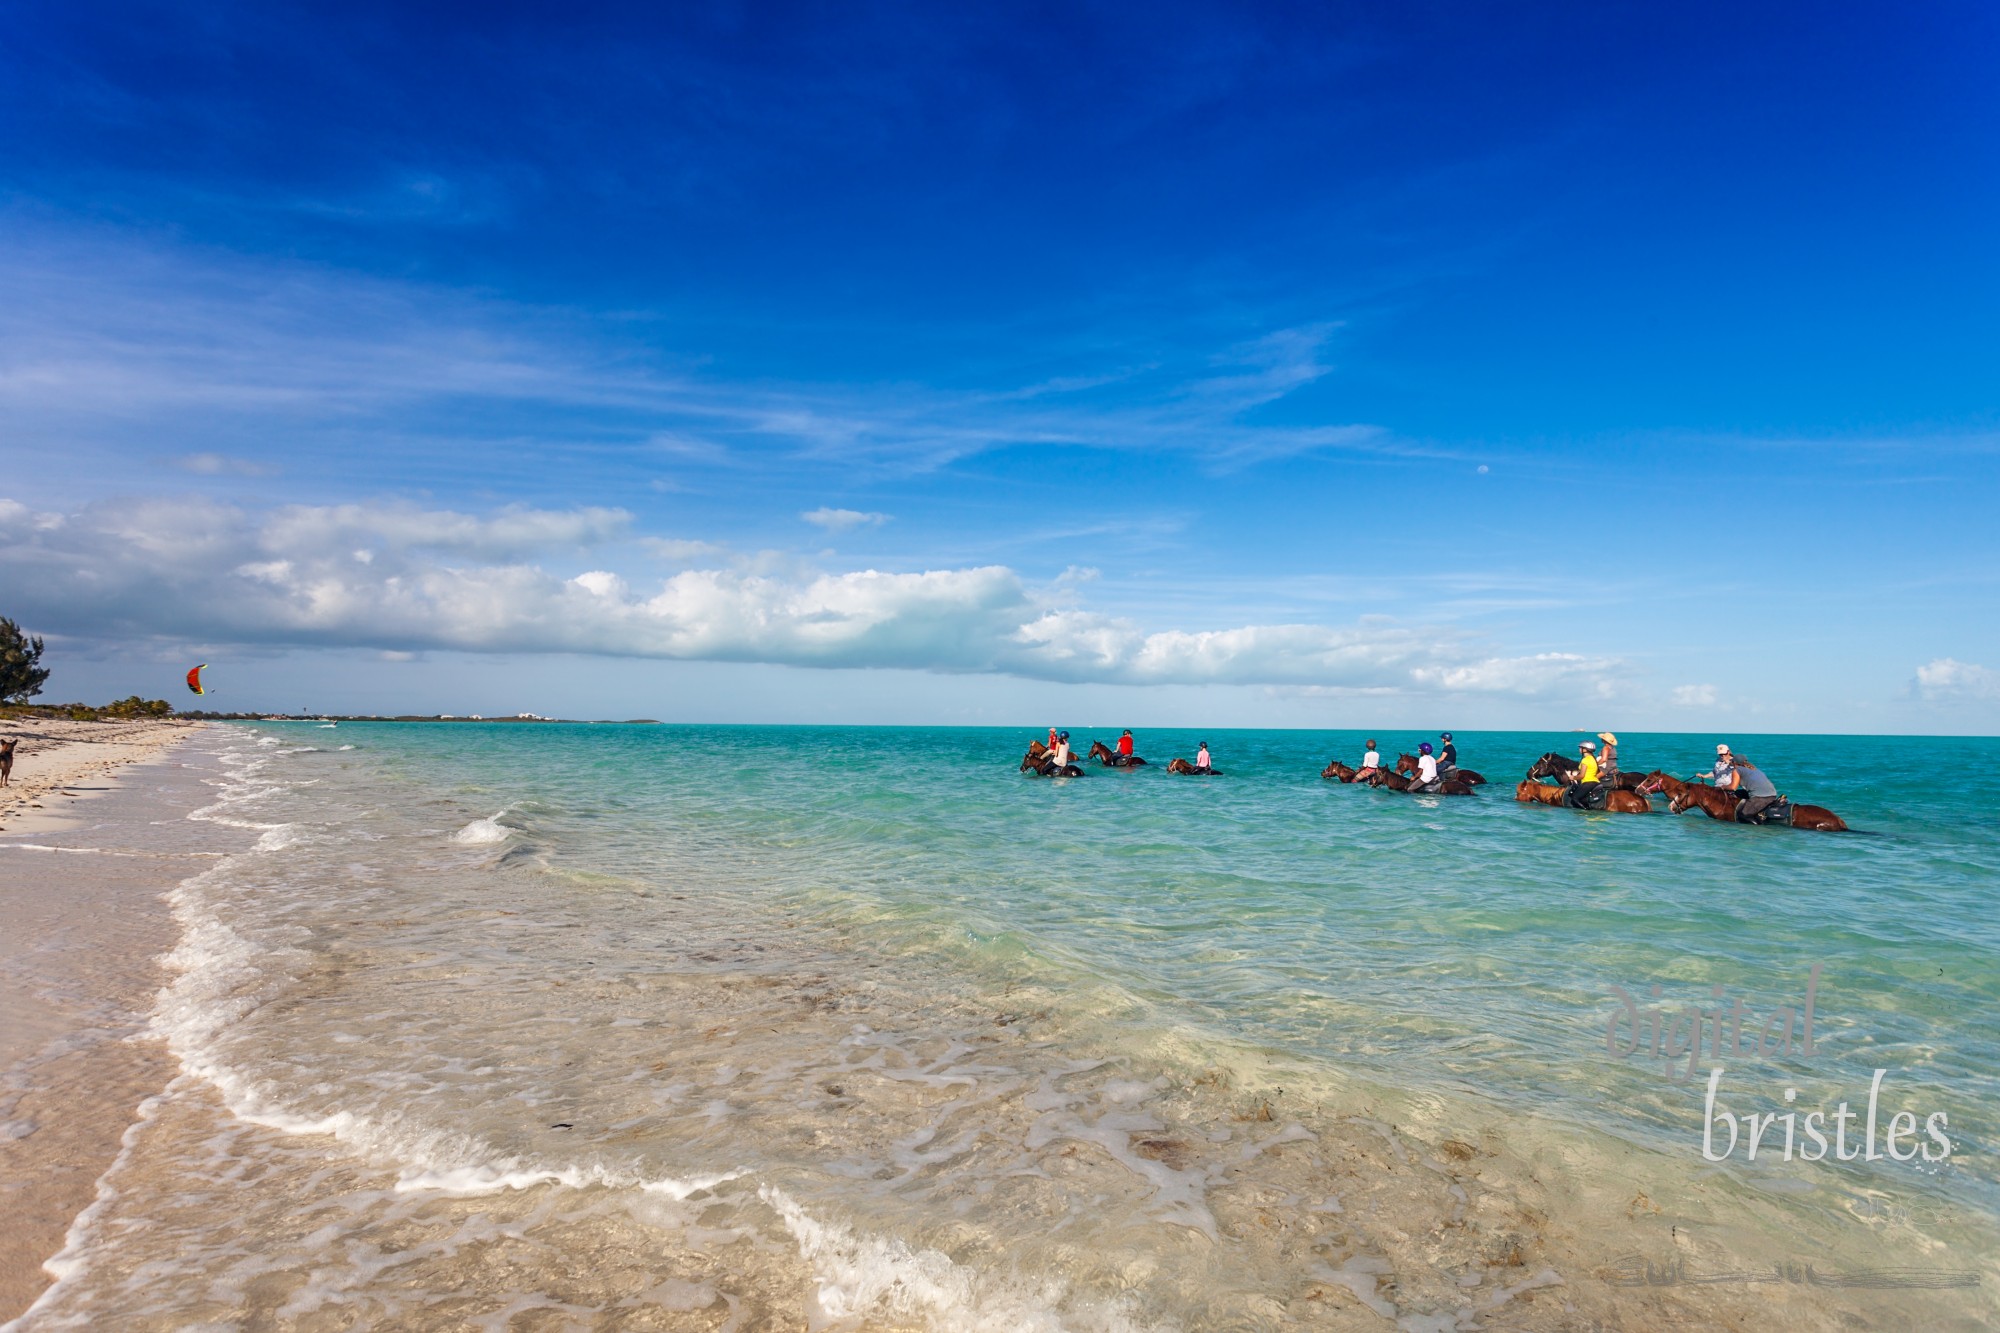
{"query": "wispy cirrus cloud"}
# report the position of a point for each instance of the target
(104, 338)
(401, 579)
(843, 520)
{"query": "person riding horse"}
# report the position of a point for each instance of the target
(1427, 769)
(1447, 755)
(1587, 792)
(1741, 776)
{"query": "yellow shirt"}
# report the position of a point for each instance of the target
(1586, 771)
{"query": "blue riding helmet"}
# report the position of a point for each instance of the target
(1445, 737)
(1425, 748)
(1062, 735)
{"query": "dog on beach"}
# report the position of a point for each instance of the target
(7, 761)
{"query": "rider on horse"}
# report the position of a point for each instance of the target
(1427, 769)
(1125, 744)
(1447, 756)
(1747, 780)
(1587, 792)
(1371, 758)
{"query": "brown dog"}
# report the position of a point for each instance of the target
(7, 761)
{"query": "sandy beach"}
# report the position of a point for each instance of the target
(82, 929)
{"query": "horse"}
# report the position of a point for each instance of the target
(1110, 758)
(1382, 777)
(1406, 764)
(1617, 800)
(1337, 771)
(1037, 761)
(1717, 803)
(7, 761)
(1183, 766)
(1563, 769)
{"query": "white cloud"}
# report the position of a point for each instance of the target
(220, 465)
(679, 551)
(841, 520)
(1694, 696)
(130, 344)
(1948, 680)
(444, 580)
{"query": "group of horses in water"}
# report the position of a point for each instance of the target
(1551, 780)
(1040, 760)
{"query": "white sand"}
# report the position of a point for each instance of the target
(80, 939)
(57, 763)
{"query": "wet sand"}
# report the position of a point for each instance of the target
(82, 928)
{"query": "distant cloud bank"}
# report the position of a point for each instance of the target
(1948, 680)
(400, 579)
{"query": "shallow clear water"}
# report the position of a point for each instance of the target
(840, 1008)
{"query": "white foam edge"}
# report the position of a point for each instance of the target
(856, 1276)
(484, 831)
(72, 1259)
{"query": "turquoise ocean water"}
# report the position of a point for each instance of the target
(1468, 943)
(607, 1026)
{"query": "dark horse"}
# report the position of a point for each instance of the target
(1406, 764)
(1382, 777)
(1038, 762)
(1562, 769)
(1617, 800)
(1719, 804)
(1183, 766)
(1110, 758)
(1335, 771)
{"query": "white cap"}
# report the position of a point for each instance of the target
(1722, 749)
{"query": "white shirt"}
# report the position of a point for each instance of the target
(1372, 759)
(1060, 754)
(1427, 768)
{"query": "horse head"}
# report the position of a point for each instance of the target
(1099, 750)
(1681, 800)
(1551, 765)
(1406, 763)
(1524, 790)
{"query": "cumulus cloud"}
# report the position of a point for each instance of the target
(841, 520)
(1948, 680)
(1694, 696)
(433, 579)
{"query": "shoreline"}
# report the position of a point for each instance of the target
(83, 931)
(756, 1064)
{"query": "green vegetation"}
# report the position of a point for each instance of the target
(21, 674)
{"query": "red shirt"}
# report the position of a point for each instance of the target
(1124, 745)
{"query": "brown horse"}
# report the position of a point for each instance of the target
(1337, 771)
(1183, 766)
(1719, 804)
(1616, 801)
(1406, 764)
(1110, 758)
(1563, 769)
(1039, 762)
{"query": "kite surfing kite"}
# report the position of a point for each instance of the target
(194, 679)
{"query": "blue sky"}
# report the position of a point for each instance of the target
(1338, 365)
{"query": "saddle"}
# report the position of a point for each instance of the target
(1778, 812)
(1586, 795)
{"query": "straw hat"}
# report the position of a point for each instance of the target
(1607, 738)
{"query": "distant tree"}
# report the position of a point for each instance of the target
(20, 676)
